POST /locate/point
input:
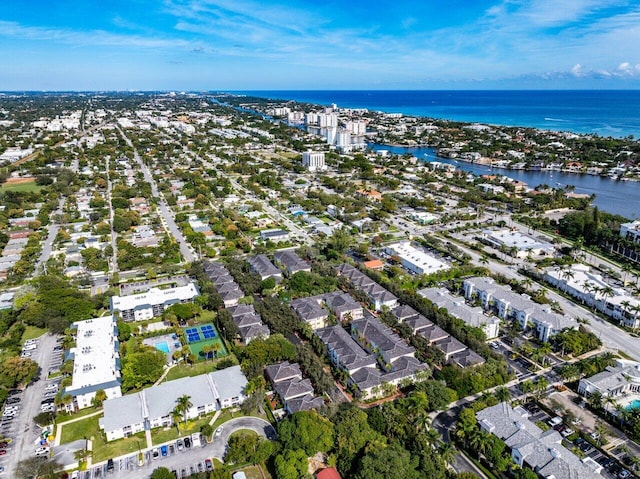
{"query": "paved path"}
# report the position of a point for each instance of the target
(58, 434)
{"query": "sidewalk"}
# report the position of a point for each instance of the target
(59, 425)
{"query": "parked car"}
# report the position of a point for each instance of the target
(218, 431)
(187, 442)
(42, 451)
(208, 465)
(164, 451)
(155, 453)
(180, 445)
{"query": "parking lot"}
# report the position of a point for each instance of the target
(612, 469)
(20, 426)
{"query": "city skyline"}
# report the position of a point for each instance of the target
(247, 45)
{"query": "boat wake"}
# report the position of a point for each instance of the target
(557, 119)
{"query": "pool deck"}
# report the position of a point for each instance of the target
(165, 338)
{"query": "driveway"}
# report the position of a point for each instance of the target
(262, 427)
(186, 460)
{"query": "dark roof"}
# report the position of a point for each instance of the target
(291, 261)
(309, 309)
(418, 323)
(304, 403)
(254, 331)
(433, 334)
(382, 337)
(404, 312)
(292, 388)
(264, 267)
(284, 370)
(466, 358)
(348, 352)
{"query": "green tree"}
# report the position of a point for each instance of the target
(142, 368)
(16, 371)
(306, 430)
(393, 462)
(183, 404)
(293, 464)
(99, 398)
(37, 467)
(352, 434)
(162, 473)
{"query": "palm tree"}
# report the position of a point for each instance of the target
(607, 292)
(595, 400)
(502, 394)
(447, 452)
(176, 416)
(543, 351)
(183, 405)
(541, 386)
(207, 350)
(432, 436)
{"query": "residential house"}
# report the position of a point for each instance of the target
(530, 446)
(310, 311)
(291, 262)
(263, 267)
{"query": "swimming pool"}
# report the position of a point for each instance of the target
(163, 346)
(635, 404)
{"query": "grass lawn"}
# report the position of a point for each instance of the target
(80, 429)
(32, 332)
(103, 450)
(66, 416)
(227, 415)
(206, 317)
(184, 370)
(162, 435)
(27, 186)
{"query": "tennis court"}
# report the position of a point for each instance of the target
(203, 335)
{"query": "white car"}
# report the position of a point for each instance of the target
(42, 451)
(25, 354)
(29, 347)
(51, 387)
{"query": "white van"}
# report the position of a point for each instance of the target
(195, 439)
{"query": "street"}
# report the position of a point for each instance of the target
(166, 214)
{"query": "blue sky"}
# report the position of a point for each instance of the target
(329, 44)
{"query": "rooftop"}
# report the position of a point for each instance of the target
(96, 360)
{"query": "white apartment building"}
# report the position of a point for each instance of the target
(151, 407)
(591, 288)
(96, 361)
(507, 304)
(313, 160)
(143, 306)
(416, 260)
(631, 231)
(457, 308)
(358, 128)
(620, 380)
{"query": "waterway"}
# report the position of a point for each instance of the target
(619, 197)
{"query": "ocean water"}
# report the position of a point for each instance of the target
(614, 113)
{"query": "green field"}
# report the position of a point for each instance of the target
(28, 187)
(85, 428)
(183, 370)
(32, 332)
(102, 450)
